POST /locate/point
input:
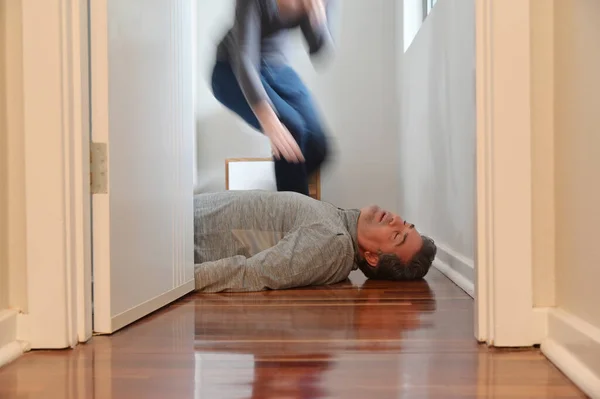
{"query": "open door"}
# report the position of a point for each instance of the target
(142, 106)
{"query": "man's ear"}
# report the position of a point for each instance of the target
(372, 259)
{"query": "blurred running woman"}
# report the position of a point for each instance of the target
(252, 77)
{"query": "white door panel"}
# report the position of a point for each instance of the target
(143, 109)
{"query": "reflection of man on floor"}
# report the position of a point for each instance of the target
(314, 339)
(258, 240)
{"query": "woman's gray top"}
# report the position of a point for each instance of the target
(260, 34)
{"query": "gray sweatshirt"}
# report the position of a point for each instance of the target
(257, 240)
(259, 34)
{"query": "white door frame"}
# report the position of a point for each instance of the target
(505, 313)
(56, 87)
(56, 135)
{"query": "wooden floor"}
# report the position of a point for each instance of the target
(359, 340)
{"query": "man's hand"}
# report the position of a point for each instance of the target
(316, 12)
(282, 141)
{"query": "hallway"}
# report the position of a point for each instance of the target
(355, 340)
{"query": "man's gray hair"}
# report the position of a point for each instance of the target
(390, 267)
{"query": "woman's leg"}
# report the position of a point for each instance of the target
(289, 176)
(228, 92)
(289, 86)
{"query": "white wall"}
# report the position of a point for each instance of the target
(14, 160)
(12, 274)
(577, 163)
(542, 152)
(574, 328)
(437, 134)
(355, 93)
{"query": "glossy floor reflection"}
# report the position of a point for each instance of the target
(361, 340)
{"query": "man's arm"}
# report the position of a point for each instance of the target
(312, 255)
(318, 37)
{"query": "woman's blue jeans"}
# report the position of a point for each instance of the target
(296, 110)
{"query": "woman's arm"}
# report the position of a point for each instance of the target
(245, 54)
(318, 33)
(245, 61)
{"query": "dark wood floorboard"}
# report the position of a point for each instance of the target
(359, 339)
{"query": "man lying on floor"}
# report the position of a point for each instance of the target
(260, 240)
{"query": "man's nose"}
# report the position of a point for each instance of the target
(397, 221)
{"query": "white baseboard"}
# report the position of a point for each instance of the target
(10, 348)
(573, 345)
(539, 324)
(121, 320)
(457, 268)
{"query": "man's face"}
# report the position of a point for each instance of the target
(381, 231)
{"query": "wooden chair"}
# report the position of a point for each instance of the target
(258, 174)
